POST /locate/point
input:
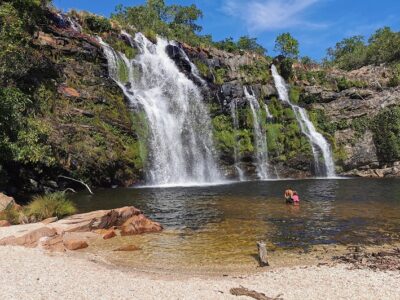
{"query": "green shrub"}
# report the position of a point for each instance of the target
(50, 205)
(294, 95)
(97, 24)
(11, 215)
(343, 84)
(220, 76)
(386, 128)
(395, 78)
(360, 125)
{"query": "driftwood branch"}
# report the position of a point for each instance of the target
(79, 181)
(241, 291)
(262, 254)
(69, 190)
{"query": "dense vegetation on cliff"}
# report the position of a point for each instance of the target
(60, 113)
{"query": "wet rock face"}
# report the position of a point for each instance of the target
(353, 111)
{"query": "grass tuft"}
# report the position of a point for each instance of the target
(50, 205)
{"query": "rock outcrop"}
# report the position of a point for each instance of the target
(6, 202)
(75, 232)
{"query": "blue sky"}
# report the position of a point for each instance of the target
(317, 24)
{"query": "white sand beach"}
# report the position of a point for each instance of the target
(35, 274)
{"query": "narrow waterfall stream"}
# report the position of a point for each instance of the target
(318, 143)
(235, 120)
(181, 150)
(260, 140)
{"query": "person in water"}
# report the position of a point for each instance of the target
(295, 198)
(289, 196)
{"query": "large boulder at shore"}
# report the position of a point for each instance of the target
(75, 232)
(100, 219)
(139, 224)
(6, 202)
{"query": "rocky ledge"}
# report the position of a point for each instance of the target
(76, 232)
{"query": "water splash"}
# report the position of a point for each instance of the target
(318, 143)
(180, 143)
(235, 120)
(260, 141)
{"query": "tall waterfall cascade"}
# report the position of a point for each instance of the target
(260, 140)
(181, 150)
(233, 106)
(319, 145)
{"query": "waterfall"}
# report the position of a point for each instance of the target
(318, 143)
(260, 140)
(235, 120)
(269, 115)
(181, 151)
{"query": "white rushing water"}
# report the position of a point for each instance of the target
(318, 143)
(269, 115)
(260, 140)
(180, 143)
(235, 120)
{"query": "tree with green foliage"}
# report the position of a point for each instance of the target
(250, 44)
(384, 46)
(287, 46)
(349, 54)
(244, 43)
(353, 53)
(171, 21)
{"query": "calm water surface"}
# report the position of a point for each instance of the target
(222, 223)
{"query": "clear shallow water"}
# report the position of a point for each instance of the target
(221, 224)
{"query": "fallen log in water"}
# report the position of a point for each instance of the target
(242, 291)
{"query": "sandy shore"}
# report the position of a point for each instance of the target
(34, 274)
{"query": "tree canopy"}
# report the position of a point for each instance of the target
(353, 52)
(287, 45)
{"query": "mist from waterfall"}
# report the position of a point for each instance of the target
(260, 140)
(181, 150)
(318, 143)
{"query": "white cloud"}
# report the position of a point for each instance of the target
(270, 14)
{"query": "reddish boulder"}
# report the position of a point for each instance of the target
(139, 224)
(6, 202)
(31, 239)
(91, 221)
(109, 234)
(75, 244)
(4, 223)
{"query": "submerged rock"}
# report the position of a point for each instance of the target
(139, 224)
(128, 248)
(109, 234)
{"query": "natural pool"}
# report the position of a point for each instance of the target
(221, 224)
